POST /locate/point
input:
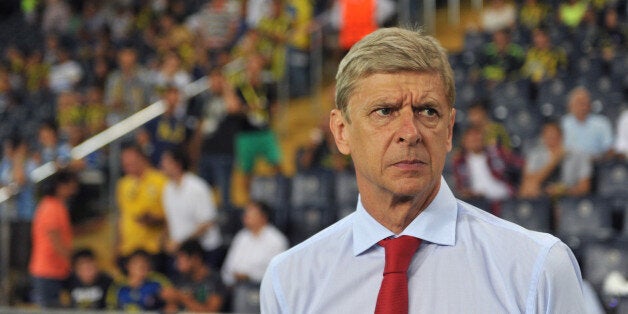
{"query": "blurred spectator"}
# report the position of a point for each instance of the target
(571, 12)
(52, 240)
(190, 208)
(15, 168)
(174, 37)
(97, 72)
(222, 118)
(500, 59)
(171, 129)
(126, 88)
(198, 288)
(584, 131)
(356, 19)
(36, 71)
(493, 133)
(551, 169)
(621, 142)
(87, 285)
(65, 73)
(532, 14)
(143, 289)
(484, 171)
(255, 11)
(94, 111)
(298, 45)
(93, 17)
(253, 247)
(69, 111)
(171, 73)
(215, 27)
(497, 15)
(543, 60)
(120, 23)
(612, 39)
(141, 223)
(56, 17)
(588, 32)
(321, 152)
(274, 31)
(51, 148)
(259, 139)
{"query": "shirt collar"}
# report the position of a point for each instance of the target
(436, 224)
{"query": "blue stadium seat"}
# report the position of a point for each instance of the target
(346, 193)
(552, 97)
(245, 298)
(311, 204)
(274, 191)
(583, 218)
(533, 214)
(601, 258)
(612, 178)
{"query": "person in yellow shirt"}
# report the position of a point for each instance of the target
(141, 222)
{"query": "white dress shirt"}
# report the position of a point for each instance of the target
(469, 262)
(188, 205)
(250, 254)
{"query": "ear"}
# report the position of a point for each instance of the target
(450, 129)
(339, 128)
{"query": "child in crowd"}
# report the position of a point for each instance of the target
(87, 284)
(143, 289)
(198, 287)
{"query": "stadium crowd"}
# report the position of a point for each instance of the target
(541, 118)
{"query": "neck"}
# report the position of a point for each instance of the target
(178, 177)
(397, 212)
(257, 230)
(199, 273)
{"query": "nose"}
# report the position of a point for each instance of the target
(408, 132)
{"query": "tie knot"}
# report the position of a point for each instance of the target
(399, 252)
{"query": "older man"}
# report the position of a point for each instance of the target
(584, 131)
(395, 116)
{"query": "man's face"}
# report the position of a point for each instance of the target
(400, 132)
(183, 263)
(86, 270)
(138, 267)
(551, 136)
(131, 162)
(169, 166)
(253, 218)
(580, 105)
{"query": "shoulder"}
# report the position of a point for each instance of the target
(600, 120)
(195, 182)
(502, 236)
(325, 243)
(157, 177)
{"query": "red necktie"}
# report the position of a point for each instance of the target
(393, 294)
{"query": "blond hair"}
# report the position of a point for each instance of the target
(392, 50)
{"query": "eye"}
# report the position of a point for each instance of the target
(428, 112)
(386, 111)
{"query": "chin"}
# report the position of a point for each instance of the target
(412, 187)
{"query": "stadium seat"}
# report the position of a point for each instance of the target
(533, 214)
(552, 97)
(600, 259)
(245, 298)
(274, 191)
(346, 193)
(311, 204)
(612, 178)
(583, 218)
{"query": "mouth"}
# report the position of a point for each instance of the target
(409, 164)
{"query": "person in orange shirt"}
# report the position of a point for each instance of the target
(52, 240)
